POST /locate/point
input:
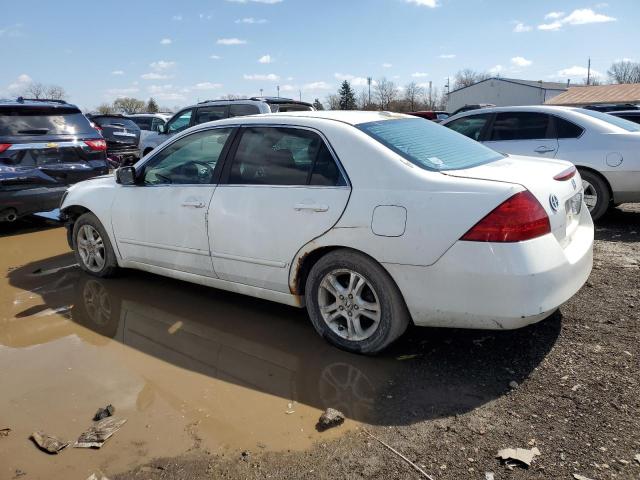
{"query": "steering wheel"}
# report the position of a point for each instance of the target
(204, 172)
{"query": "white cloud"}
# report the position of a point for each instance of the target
(265, 59)
(267, 2)
(207, 86)
(166, 41)
(202, 16)
(419, 74)
(521, 62)
(387, 65)
(271, 77)
(231, 41)
(11, 31)
(577, 72)
(20, 83)
(553, 15)
(117, 72)
(156, 89)
(154, 76)
(122, 92)
(496, 69)
(162, 65)
(580, 16)
(352, 79)
(215, 57)
(251, 21)
(447, 55)
(521, 28)
(317, 86)
(424, 3)
(177, 18)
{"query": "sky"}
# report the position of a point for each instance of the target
(180, 52)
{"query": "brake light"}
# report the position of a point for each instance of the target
(566, 174)
(520, 217)
(96, 126)
(96, 145)
(4, 146)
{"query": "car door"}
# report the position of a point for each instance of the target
(523, 133)
(161, 220)
(570, 145)
(281, 187)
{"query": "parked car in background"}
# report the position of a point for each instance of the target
(210, 110)
(612, 107)
(605, 148)
(150, 122)
(434, 115)
(631, 115)
(45, 145)
(367, 218)
(122, 136)
(467, 108)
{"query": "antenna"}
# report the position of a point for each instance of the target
(589, 71)
(278, 88)
(369, 84)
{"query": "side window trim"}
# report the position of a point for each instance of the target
(217, 171)
(230, 155)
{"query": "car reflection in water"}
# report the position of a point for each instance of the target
(273, 349)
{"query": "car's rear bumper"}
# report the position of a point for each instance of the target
(32, 200)
(497, 285)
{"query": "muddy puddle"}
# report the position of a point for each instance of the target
(192, 367)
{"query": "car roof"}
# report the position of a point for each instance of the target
(351, 117)
(625, 112)
(35, 102)
(517, 108)
(157, 114)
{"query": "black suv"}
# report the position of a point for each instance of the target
(122, 136)
(45, 145)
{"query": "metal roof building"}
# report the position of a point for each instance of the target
(599, 94)
(504, 92)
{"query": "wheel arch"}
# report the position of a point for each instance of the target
(600, 176)
(69, 215)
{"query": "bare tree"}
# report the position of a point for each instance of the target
(34, 90)
(334, 101)
(624, 72)
(232, 96)
(362, 100)
(467, 77)
(592, 81)
(55, 92)
(386, 92)
(129, 105)
(106, 109)
(412, 95)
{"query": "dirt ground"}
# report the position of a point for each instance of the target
(216, 385)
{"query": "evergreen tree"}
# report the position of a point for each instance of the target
(347, 97)
(152, 106)
(317, 104)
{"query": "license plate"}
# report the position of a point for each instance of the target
(573, 205)
(124, 134)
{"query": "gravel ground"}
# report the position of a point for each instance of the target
(456, 404)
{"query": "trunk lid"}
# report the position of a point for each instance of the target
(561, 199)
(120, 133)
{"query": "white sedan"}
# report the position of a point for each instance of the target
(606, 149)
(371, 220)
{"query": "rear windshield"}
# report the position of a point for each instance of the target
(115, 122)
(429, 145)
(617, 121)
(289, 107)
(15, 121)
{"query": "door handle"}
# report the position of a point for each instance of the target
(310, 206)
(194, 204)
(544, 149)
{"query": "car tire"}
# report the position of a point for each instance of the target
(354, 303)
(92, 247)
(595, 186)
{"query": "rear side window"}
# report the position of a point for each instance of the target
(289, 107)
(283, 156)
(115, 122)
(143, 122)
(470, 126)
(566, 129)
(16, 121)
(240, 110)
(429, 145)
(520, 126)
(210, 114)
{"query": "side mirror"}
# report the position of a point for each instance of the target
(126, 176)
(162, 129)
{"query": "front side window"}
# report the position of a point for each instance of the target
(283, 156)
(210, 114)
(190, 160)
(520, 126)
(471, 126)
(180, 121)
(429, 145)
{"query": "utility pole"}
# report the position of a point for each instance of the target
(300, 93)
(447, 85)
(431, 94)
(369, 84)
(589, 71)
(261, 92)
(278, 88)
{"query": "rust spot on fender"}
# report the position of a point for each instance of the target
(293, 286)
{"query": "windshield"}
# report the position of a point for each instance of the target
(429, 145)
(42, 121)
(617, 121)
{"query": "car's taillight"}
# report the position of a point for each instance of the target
(97, 145)
(4, 146)
(518, 218)
(96, 126)
(566, 174)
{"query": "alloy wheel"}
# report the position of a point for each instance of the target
(590, 195)
(91, 248)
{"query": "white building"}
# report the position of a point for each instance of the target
(504, 92)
